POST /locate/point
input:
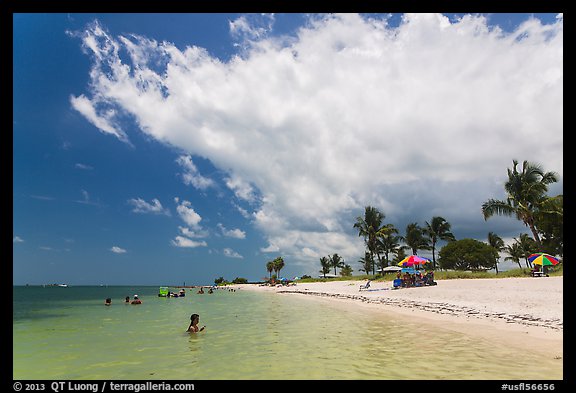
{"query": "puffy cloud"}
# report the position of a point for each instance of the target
(17, 239)
(180, 241)
(194, 229)
(191, 176)
(418, 120)
(234, 233)
(118, 250)
(187, 214)
(141, 206)
(229, 253)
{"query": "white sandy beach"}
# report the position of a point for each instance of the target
(525, 312)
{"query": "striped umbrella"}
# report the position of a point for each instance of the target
(543, 259)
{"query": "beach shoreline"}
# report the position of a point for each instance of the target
(526, 313)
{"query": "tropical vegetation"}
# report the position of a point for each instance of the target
(526, 199)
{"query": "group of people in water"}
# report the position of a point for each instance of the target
(136, 300)
(194, 318)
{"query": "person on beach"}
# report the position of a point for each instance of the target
(201, 291)
(136, 300)
(108, 302)
(194, 320)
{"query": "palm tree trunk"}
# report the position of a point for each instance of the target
(535, 234)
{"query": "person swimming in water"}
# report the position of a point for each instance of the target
(136, 300)
(193, 328)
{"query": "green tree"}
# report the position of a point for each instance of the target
(326, 266)
(270, 268)
(525, 194)
(278, 265)
(335, 262)
(550, 223)
(466, 254)
(346, 270)
(498, 245)
(515, 253)
(528, 246)
(438, 229)
(368, 227)
(415, 238)
(389, 243)
(367, 262)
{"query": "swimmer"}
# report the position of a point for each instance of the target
(136, 300)
(193, 328)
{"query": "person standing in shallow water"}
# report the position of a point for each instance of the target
(194, 320)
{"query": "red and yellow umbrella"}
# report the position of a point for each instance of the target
(543, 259)
(413, 260)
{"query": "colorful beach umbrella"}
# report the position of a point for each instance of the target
(541, 258)
(413, 260)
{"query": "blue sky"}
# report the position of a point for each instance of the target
(167, 148)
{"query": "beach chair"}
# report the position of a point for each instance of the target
(365, 286)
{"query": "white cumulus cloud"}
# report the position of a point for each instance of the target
(230, 253)
(141, 206)
(419, 119)
(118, 250)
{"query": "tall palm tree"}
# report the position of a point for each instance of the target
(415, 238)
(270, 268)
(278, 265)
(525, 193)
(336, 261)
(389, 242)
(515, 252)
(367, 262)
(326, 266)
(368, 227)
(438, 229)
(498, 245)
(528, 246)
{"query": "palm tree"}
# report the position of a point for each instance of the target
(270, 268)
(438, 229)
(278, 265)
(515, 252)
(497, 244)
(388, 242)
(528, 246)
(336, 261)
(525, 193)
(326, 266)
(415, 238)
(367, 262)
(368, 227)
(346, 270)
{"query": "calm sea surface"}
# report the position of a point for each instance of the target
(68, 333)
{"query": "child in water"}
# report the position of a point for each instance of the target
(193, 328)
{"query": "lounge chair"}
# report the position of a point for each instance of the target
(365, 286)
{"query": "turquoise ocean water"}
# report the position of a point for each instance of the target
(68, 333)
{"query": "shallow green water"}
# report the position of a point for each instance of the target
(68, 333)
